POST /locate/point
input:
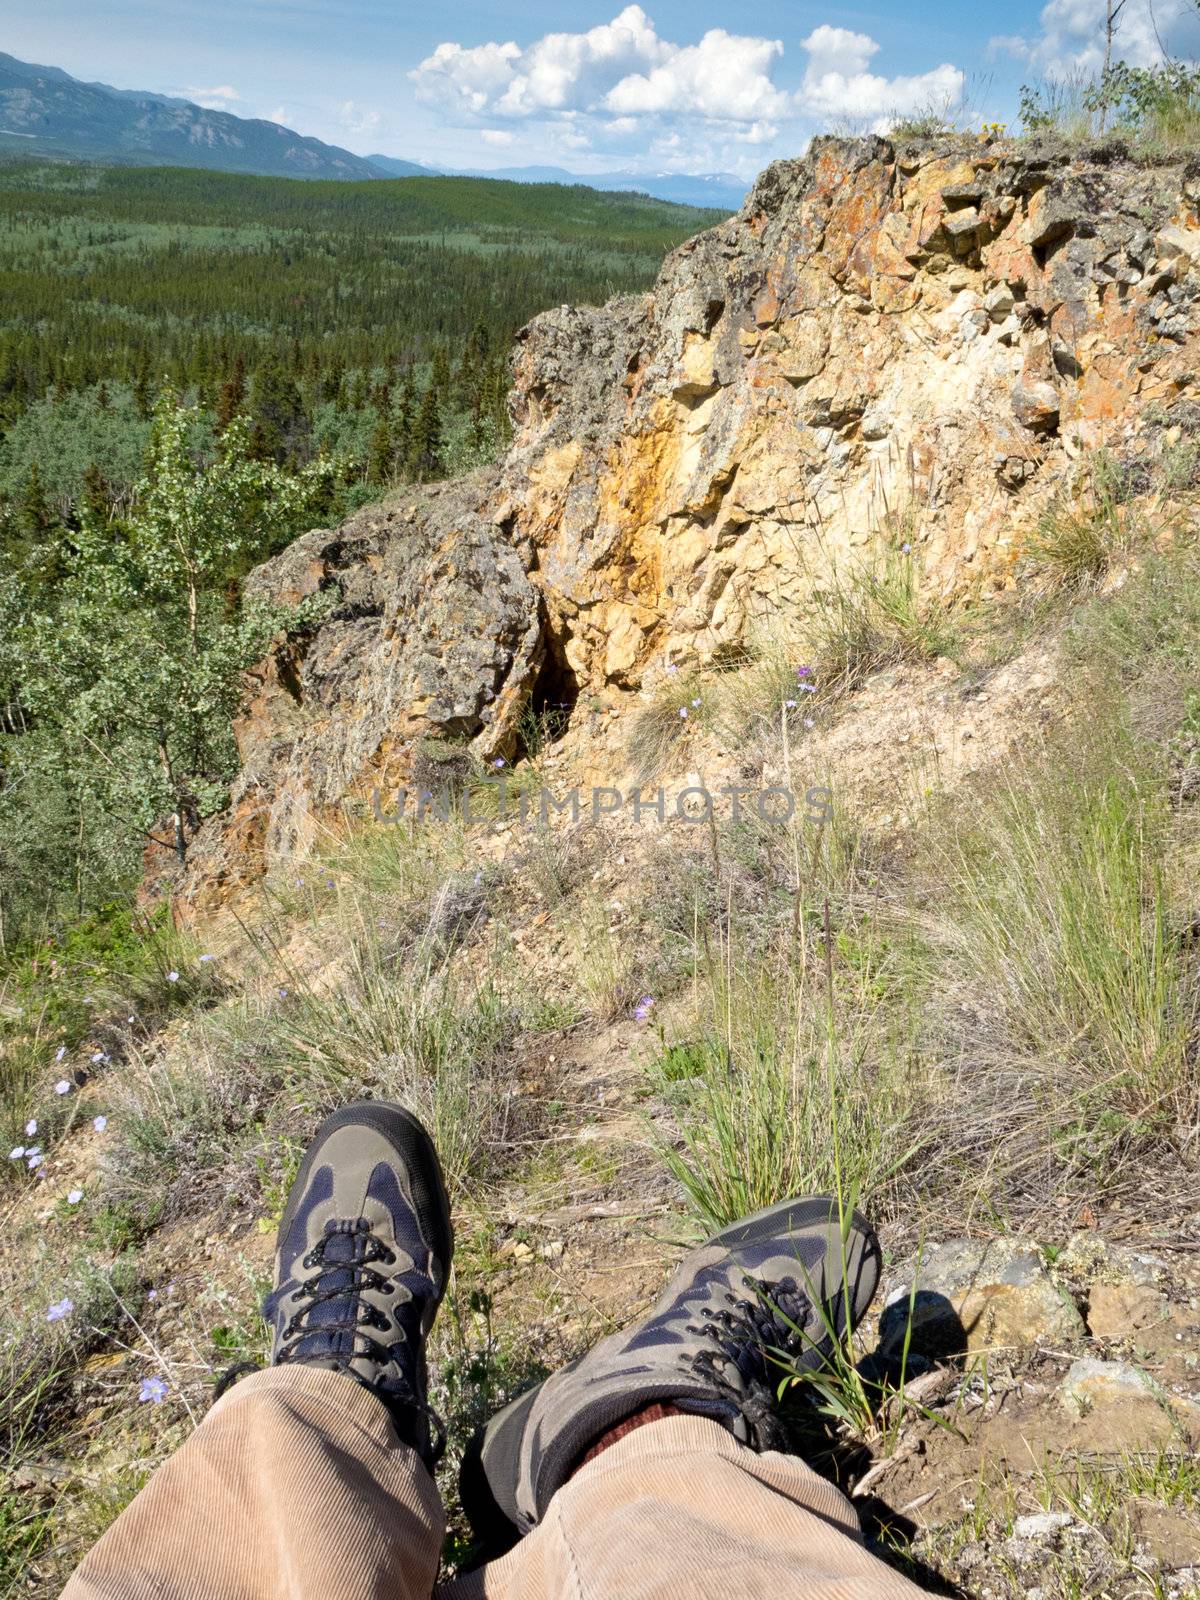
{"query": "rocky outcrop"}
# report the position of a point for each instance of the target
(906, 345)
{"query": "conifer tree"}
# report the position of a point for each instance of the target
(141, 386)
(36, 515)
(404, 414)
(426, 448)
(379, 458)
(232, 398)
(96, 501)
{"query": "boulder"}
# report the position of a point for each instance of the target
(1035, 405)
(1179, 244)
(1054, 212)
(1123, 1286)
(973, 1295)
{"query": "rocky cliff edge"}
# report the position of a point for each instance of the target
(886, 343)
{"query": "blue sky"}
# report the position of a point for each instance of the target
(682, 85)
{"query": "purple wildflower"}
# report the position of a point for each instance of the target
(62, 1050)
(60, 1309)
(99, 1123)
(498, 763)
(803, 672)
(683, 712)
(152, 1391)
(75, 1196)
(31, 1125)
(644, 1007)
(17, 1153)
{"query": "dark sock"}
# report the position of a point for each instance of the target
(653, 1413)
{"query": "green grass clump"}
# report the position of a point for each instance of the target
(102, 982)
(869, 612)
(1155, 110)
(784, 1088)
(1062, 913)
(1087, 527)
(659, 727)
(1064, 897)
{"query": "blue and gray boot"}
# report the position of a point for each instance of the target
(362, 1261)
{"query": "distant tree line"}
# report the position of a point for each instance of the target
(365, 322)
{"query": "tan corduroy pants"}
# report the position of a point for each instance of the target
(296, 1486)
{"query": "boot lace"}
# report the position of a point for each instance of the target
(341, 1276)
(759, 1335)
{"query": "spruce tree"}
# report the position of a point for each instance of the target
(379, 458)
(426, 449)
(36, 516)
(232, 396)
(404, 416)
(96, 499)
(141, 386)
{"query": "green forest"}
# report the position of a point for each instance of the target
(365, 321)
(194, 367)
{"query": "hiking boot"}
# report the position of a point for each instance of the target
(362, 1260)
(764, 1297)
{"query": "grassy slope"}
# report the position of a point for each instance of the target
(986, 1021)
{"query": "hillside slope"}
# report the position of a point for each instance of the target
(779, 774)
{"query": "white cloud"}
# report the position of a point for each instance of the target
(837, 83)
(574, 70)
(621, 66)
(218, 99)
(726, 77)
(358, 119)
(1009, 44)
(757, 133)
(1071, 40)
(465, 80)
(621, 87)
(496, 136)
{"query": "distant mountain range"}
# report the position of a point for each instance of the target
(44, 111)
(719, 189)
(393, 167)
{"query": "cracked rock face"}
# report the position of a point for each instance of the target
(885, 344)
